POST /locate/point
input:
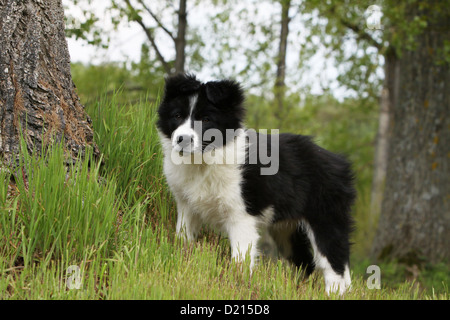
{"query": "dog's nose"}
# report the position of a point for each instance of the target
(185, 139)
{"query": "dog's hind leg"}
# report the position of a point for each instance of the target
(293, 244)
(331, 256)
(302, 255)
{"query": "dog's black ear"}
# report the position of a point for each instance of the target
(181, 84)
(225, 93)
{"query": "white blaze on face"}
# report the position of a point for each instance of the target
(184, 138)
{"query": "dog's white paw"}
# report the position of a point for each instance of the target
(337, 283)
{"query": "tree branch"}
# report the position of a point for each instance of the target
(150, 37)
(157, 20)
(361, 34)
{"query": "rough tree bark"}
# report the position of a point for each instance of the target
(415, 214)
(37, 95)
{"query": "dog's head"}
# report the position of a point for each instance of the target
(194, 115)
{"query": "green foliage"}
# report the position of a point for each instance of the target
(127, 136)
(340, 29)
(408, 19)
(401, 22)
(93, 80)
(141, 78)
(87, 27)
(57, 213)
(146, 74)
(240, 40)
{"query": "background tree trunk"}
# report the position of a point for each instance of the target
(387, 102)
(37, 94)
(280, 86)
(415, 214)
(180, 40)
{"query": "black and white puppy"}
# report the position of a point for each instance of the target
(237, 180)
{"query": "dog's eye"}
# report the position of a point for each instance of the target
(205, 119)
(177, 115)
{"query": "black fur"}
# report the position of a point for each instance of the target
(313, 185)
(219, 105)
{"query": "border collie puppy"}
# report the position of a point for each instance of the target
(237, 180)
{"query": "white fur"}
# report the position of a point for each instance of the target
(211, 194)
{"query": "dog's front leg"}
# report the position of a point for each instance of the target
(188, 224)
(243, 235)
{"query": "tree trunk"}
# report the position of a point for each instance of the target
(180, 40)
(415, 214)
(280, 86)
(37, 95)
(388, 98)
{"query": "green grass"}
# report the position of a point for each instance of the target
(115, 222)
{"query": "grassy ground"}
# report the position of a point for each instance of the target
(107, 233)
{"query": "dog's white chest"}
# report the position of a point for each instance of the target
(211, 191)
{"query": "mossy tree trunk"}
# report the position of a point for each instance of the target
(37, 95)
(415, 214)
